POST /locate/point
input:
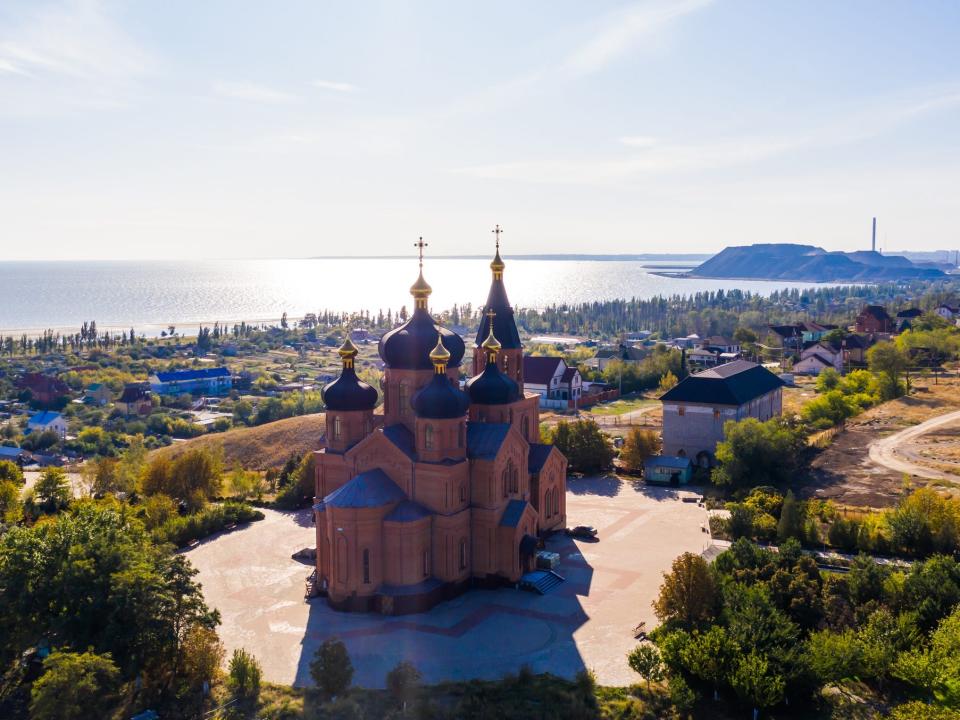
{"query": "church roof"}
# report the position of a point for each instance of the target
(484, 439)
(367, 490)
(408, 347)
(504, 326)
(440, 400)
(348, 392)
(538, 456)
(401, 436)
(492, 387)
(407, 511)
(513, 512)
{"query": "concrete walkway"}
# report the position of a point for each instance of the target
(884, 451)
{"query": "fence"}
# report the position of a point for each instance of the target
(822, 439)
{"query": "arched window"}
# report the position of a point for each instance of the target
(367, 426)
(366, 566)
(460, 434)
(463, 492)
(463, 553)
(342, 571)
(525, 425)
(404, 399)
(426, 563)
(337, 427)
(506, 364)
(505, 480)
(428, 437)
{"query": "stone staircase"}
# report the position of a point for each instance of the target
(540, 581)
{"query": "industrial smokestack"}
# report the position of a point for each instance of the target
(873, 240)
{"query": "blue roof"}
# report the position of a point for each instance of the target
(401, 436)
(11, 452)
(484, 439)
(370, 489)
(201, 374)
(93, 387)
(668, 461)
(408, 511)
(513, 513)
(44, 417)
(538, 456)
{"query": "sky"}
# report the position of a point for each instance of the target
(226, 128)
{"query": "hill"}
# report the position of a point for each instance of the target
(807, 263)
(260, 447)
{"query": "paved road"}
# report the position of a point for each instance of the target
(884, 451)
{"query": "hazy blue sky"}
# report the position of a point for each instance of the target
(237, 129)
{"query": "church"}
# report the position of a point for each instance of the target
(445, 489)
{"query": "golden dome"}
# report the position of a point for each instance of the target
(497, 264)
(440, 355)
(491, 344)
(420, 289)
(348, 350)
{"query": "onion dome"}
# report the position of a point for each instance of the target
(440, 400)
(408, 346)
(492, 387)
(348, 392)
(504, 326)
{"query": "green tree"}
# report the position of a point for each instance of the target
(790, 524)
(11, 471)
(754, 681)
(585, 446)
(667, 381)
(889, 361)
(53, 489)
(244, 674)
(403, 683)
(758, 453)
(193, 477)
(645, 660)
(834, 656)
(331, 668)
(74, 686)
(688, 594)
(711, 656)
(11, 509)
(638, 446)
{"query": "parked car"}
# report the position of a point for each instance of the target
(584, 532)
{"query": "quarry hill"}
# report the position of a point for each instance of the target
(807, 263)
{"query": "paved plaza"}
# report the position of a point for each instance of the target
(585, 623)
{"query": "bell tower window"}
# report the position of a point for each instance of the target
(337, 427)
(428, 437)
(404, 399)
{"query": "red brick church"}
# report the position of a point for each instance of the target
(447, 489)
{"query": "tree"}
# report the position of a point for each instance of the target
(403, 682)
(639, 445)
(682, 696)
(53, 489)
(11, 509)
(667, 381)
(331, 668)
(758, 453)
(688, 594)
(754, 682)
(202, 655)
(585, 446)
(645, 660)
(193, 477)
(710, 656)
(834, 657)
(889, 361)
(244, 674)
(790, 524)
(74, 686)
(11, 471)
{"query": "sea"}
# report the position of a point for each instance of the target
(151, 296)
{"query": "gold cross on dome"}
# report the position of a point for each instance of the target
(496, 231)
(421, 245)
(491, 314)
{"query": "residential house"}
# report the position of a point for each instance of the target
(856, 346)
(905, 318)
(44, 389)
(626, 353)
(203, 381)
(135, 400)
(47, 420)
(15, 455)
(817, 357)
(702, 358)
(696, 409)
(948, 312)
(719, 343)
(557, 384)
(97, 394)
(874, 319)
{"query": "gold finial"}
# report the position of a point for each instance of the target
(491, 344)
(440, 355)
(497, 265)
(348, 351)
(420, 289)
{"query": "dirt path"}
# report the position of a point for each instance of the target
(884, 451)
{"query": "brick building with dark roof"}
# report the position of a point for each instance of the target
(696, 409)
(874, 319)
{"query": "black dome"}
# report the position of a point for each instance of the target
(348, 392)
(440, 400)
(408, 346)
(492, 387)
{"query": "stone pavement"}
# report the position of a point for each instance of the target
(586, 622)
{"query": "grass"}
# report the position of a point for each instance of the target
(261, 447)
(622, 406)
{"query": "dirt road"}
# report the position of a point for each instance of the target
(884, 452)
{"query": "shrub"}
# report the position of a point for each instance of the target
(245, 674)
(331, 668)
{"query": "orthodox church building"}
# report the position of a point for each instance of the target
(444, 489)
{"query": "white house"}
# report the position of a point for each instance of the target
(948, 312)
(48, 420)
(557, 384)
(817, 357)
